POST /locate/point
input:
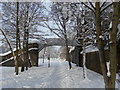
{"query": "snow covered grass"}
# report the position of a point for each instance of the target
(57, 76)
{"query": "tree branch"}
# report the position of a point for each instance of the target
(106, 7)
(88, 7)
(91, 5)
(52, 30)
(103, 4)
(8, 43)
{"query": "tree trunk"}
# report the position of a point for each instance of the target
(22, 60)
(66, 44)
(113, 45)
(26, 37)
(21, 56)
(17, 40)
(68, 55)
(100, 43)
(8, 42)
(109, 80)
(44, 55)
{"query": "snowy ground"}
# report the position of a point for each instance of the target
(57, 76)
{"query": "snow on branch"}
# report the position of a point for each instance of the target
(110, 25)
(101, 37)
(106, 7)
(4, 54)
(108, 68)
(88, 7)
(72, 49)
(7, 60)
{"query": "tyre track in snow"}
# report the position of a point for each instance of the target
(57, 76)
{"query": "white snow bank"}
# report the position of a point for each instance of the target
(31, 40)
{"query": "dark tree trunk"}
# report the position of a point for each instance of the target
(48, 60)
(109, 80)
(26, 37)
(66, 44)
(100, 42)
(44, 55)
(67, 53)
(17, 39)
(113, 45)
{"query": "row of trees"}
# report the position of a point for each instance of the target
(100, 20)
(21, 18)
(87, 23)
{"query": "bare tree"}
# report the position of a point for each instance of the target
(29, 16)
(99, 10)
(17, 39)
(10, 46)
(60, 14)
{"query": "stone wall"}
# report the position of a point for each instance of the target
(76, 56)
(34, 57)
(34, 54)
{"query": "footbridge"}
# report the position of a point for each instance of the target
(56, 42)
(35, 46)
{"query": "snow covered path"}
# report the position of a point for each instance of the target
(57, 76)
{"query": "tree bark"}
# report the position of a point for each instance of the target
(66, 44)
(100, 43)
(26, 37)
(109, 80)
(21, 56)
(44, 54)
(17, 39)
(68, 56)
(113, 45)
(67, 52)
